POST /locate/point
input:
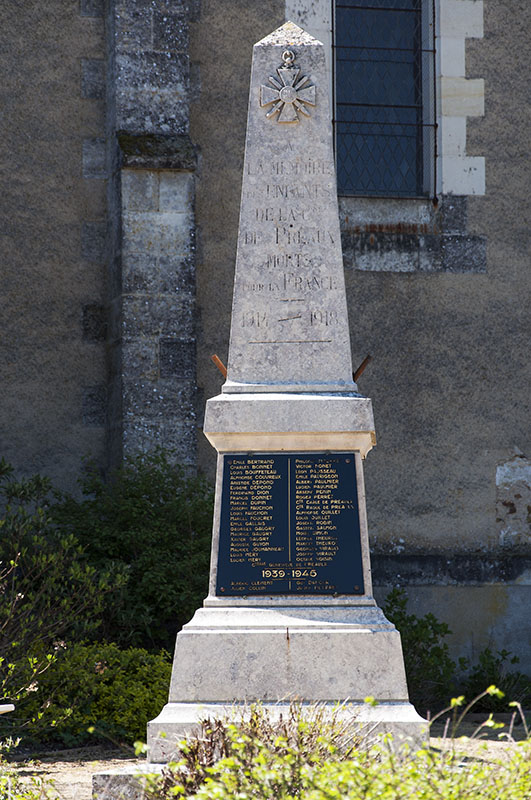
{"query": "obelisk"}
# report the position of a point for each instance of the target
(290, 611)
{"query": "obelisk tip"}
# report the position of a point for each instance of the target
(288, 34)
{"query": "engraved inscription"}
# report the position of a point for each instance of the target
(287, 236)
(320, 317)
(291, 280)
(251, 237)
(285, 260)
(308, 191)
(301, 166)
(289, 524)
(257, 286)
(280, 214)
(254, 319)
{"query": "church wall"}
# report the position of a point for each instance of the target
(114, 156)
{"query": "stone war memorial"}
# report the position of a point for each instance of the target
(290, 612)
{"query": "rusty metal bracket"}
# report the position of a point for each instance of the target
(361, 367)
(219, 364)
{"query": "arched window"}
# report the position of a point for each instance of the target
(384, 97)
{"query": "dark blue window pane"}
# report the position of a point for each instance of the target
(378, 82)
(377, 27)
(367, 81)
(409, 5)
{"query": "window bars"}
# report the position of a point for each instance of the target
(384, 97)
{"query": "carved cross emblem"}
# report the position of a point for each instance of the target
(290, 94)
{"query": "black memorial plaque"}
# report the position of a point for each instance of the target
(289, 525)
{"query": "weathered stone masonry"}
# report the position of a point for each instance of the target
(151, 235)
(94, 169)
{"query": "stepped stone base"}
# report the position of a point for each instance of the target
(230, 656)
(398, 718)
(123, 784)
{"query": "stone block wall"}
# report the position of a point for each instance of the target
(151, 238)
(124, 125)
(98, 221)
(155, 312)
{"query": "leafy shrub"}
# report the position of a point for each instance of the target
(492, 668)
(264, 762)
(98, 686)
(12, 788)
(48, 590)
(301, 736)
(129, 562)
(432, 675)
(371, 774)
(152, 523)
(429, 669)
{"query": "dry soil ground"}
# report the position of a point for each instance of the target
(71, 770)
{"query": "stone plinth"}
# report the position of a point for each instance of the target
(275, 422)
(236, 654)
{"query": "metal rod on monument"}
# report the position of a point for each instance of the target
(219, 364)
(361, 368)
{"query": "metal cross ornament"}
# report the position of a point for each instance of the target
(290, 94)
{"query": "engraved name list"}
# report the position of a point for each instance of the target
(289, 525)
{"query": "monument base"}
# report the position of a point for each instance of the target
(229, 656)
(399, 719)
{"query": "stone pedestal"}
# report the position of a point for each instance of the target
(229, 655)
(274, 648)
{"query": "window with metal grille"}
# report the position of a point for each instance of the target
(384, 97)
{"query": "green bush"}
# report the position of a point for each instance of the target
(272, 761)
(33, 788)
(113, 692)
(301, 736)
(493, 668)
(48, 590)
(371, 774)
(126, 563)
(152, 523)
(431, 673)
